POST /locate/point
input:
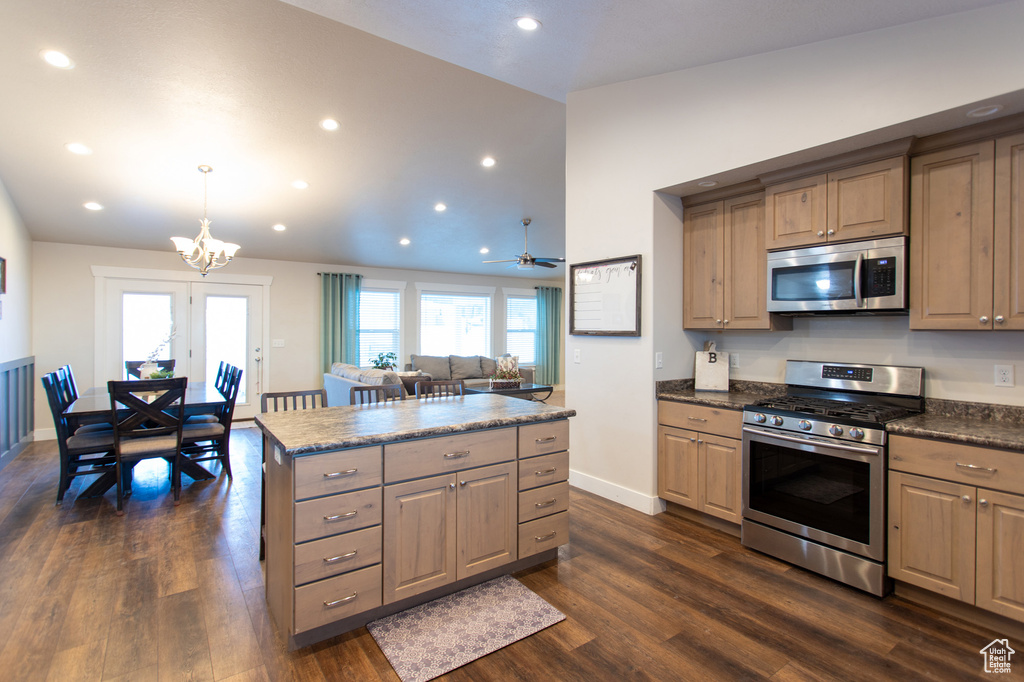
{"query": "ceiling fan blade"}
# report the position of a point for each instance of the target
(551, 260)
(544, 265)
(507, 260)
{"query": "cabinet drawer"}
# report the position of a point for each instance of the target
(543, 470)
(336, 472)
(433, 456)
(701, 418)
(336, 598)
(337, 514)
(540, 502)
(339, 554)
(543, 438)
(969, 464)
(543, 534)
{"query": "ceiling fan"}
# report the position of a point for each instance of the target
(526, 261)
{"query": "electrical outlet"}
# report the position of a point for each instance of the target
(659, 360)
(576, 355)
(734, 360)
(1004, 375)
(277, 343)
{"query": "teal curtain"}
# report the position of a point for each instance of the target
(549, 335)
(339, 318)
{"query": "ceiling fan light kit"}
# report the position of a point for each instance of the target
(526, 261)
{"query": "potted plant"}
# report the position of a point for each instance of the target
(507, 374)
(384, 361)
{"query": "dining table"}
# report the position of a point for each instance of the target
(93, 407)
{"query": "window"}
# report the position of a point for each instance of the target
(455, 323)
(521, 328)
(379, 323)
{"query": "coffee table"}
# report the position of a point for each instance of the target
(524, 391)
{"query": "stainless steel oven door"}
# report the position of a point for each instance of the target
(826, 490)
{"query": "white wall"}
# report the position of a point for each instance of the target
(628, 139)
(64, 305)
(16, 304)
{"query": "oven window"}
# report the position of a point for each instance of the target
(819, 282)
(829, 494)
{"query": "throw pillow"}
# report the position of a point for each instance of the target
(434, 365)
(465, 367)
(487, 367)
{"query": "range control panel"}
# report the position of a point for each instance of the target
(850, 373)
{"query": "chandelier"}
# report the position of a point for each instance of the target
(204, 253)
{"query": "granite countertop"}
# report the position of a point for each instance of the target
(739, 395)
(987, 425)
(332, 428)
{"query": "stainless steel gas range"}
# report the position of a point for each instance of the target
(814, 467)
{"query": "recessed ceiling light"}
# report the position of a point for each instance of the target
(279, 228)
(707, 183)
(440, 207)
(487, 162)
(527, 23)
(93, 206)
(982, 112)
(78, 148)
(300, 184)
(404, 241)
(485, 250)
(58, 59)
(329, 124)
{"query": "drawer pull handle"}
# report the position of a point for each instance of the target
(548, 439)
(336, 474)
(546, 471)
(456, 455)
(338, 517)
(339, 602)
(340, 557)
(541, 538)
(546, 504)
(976, 467)
(697, 419)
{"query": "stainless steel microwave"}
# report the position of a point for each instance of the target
(867, 276)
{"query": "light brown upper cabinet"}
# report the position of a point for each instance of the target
(724, 266)
(966, 228)
(866, 201)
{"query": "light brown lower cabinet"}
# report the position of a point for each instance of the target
(700, 471)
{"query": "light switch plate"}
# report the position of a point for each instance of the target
(277, 343)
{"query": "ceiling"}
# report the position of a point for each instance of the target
(423, 90)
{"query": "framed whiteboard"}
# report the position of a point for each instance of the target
(605, 297)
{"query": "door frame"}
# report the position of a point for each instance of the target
(104, 274)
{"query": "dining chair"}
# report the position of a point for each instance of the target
(283, 401)
(67, 383)
(440, 389)
(221, 384)
(148, 417)
(132, 366)
(81, 454)
(369, 395)
(209, 441)
(220, 381)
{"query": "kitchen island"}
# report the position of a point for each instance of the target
(374, 509)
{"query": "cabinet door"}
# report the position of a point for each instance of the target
(678, 466)
(487, 519)
(419, 536)
(745, 264)
(720, 470)
(932, 534)
(1000, 552)
(1008, 268)
(703, 266)
(796, 213)
(867, 201)
(951, 194)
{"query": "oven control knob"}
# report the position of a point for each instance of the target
(804, 424)
(856, 433)
(760, 418)
(835, 430)
(776, 420)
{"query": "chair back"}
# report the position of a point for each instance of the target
(284, 401)
(132, 366)
(222, 376)
(368, 395)
(232, 382)
(67, 383)
(56, 399)
(148, 408)
(440, 389)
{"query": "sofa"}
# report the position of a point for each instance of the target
(474, 370)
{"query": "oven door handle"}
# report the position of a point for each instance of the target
(805, 441)
(858, 295)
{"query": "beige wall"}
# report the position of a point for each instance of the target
(64, 305)
(16, 304)
(626, 140)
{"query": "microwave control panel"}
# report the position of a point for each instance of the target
(880, 276)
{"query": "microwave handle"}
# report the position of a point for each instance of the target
(858, 295)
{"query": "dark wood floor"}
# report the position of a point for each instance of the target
(174, 593)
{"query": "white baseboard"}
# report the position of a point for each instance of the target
(616, 493)
(44, 434)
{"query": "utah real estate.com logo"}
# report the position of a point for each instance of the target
(997, 656)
